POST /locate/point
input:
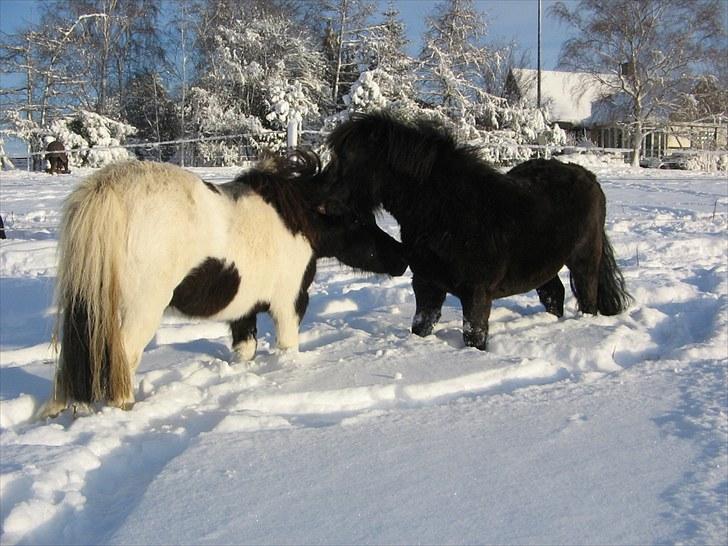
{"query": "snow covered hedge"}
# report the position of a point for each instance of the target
(98, 138)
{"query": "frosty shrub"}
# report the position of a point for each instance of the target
(365, 94)
(97, 139)
(212, 115)
(707, 162)
(590, 158)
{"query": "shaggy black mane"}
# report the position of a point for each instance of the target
(414, 152)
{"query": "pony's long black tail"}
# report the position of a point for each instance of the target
(612, 295)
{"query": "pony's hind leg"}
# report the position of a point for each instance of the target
(244, 331)
(584, 279)
(476, 302)
(551, 295)
(429, 299)
(137, 331)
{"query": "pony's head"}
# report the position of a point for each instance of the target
(358, 242)
(376, 155)
(295, 187)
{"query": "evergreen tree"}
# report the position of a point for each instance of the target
(395, 68)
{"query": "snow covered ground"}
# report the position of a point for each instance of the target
(580, 430)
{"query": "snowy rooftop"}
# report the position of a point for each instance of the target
(568, 95)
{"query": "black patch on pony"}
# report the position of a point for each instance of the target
(212, 187)
(302, 299)
(246, 327)
(207, 289)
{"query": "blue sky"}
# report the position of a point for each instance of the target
(509, 20)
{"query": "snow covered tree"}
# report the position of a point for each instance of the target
(644, 53)
(211, 114)
(345, 42)
(393, 69)
(113, 41)
(456, 64)
(148, 106)
(365, 94)
(264, 67)
(46, 88)
(98, 138)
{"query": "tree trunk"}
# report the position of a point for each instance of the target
(636, 143)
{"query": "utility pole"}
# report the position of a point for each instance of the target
(538, 96)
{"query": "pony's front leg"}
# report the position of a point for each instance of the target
(476, 302)
(244, 331)
(286, 323)
(429, 298)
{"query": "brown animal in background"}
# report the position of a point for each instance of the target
(57, 157)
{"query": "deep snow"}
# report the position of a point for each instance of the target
(580, 430)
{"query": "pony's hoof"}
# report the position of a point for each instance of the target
(555, 310)
(245, 351)
(50, 410)
(476, 338)
(422, 330)
(424, 323)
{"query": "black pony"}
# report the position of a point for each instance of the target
(472, 231)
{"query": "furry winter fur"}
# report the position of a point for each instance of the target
(470, 230)
(137, 237)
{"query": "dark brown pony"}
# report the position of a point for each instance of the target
(57, 157)
(470, 230)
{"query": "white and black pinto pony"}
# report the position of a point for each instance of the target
(139, 237)
(470, 230)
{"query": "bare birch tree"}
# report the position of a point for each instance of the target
(643, 52)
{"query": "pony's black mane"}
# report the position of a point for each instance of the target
(411, 151)
(288, 184)
(413, 146)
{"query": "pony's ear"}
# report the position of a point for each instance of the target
(303, 162)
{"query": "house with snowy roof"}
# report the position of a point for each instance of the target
(589, 110)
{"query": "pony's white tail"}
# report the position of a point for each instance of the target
(92, 363)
